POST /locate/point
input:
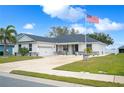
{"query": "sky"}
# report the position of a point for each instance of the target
(38, 19)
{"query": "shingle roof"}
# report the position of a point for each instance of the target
(74, 38)
(122, 47)
(62, 39)
(37, 38)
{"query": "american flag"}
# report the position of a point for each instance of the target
(92, 19)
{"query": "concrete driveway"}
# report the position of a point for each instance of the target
(38, 65)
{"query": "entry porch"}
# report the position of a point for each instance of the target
(75, 49)
(68, 49)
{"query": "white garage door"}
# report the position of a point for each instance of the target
(46, 49)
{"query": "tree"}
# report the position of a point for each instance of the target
(105, 38)
(60, 31)
(23, 51)
(73, 31)
(7, 35)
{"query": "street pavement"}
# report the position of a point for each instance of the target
(12, 82)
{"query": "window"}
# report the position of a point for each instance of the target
(56, 48)
(19, 46)
(30, 47)
(89, 46)
(65, 47)
(76, 48)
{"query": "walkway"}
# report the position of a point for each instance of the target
(85, 75)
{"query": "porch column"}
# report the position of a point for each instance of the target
(70, 49)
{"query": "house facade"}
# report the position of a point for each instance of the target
(121, 49)
(68, 44)
(9, 49)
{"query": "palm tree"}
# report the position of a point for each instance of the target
(7, 35)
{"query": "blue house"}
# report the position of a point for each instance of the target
(9, 49)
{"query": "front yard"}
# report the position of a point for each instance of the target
(16, 58)
(111, 64)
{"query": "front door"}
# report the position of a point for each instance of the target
(56, 48)
(75, 48)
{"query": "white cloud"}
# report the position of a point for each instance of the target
(81, 28)
(107, 25)
(64, 12)
(29, 26)
(74, 14)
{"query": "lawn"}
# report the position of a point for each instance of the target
(16, 58)
(68, 79)
(111, 64)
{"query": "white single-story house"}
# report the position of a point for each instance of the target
(68, 44)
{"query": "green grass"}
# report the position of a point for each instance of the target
(68, 79)
(16, 58)
(111, 64)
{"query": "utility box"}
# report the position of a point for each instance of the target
(85, 57)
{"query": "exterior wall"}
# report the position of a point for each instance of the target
(41, 48)
(96, 47)
(47, 48)
(9, 48)
(26, 45)
(101, 48)
(1, 47)
(60, 48)
(70, 49)
(81, 47)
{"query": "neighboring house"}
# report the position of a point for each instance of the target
(121, 49)
(9, 49)
(68, 44)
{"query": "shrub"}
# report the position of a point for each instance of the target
(88, 50)
(23, 51)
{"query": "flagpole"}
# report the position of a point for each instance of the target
(85, 32)
(85, 36)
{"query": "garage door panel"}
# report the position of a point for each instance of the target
(46, 51)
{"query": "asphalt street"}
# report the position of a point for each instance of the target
(12, 82)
